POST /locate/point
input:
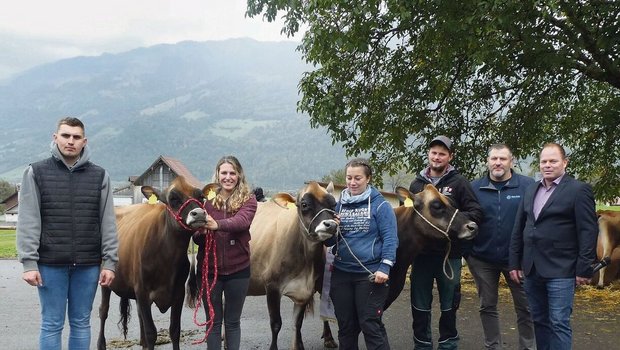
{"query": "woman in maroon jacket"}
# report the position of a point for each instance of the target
(230, 212)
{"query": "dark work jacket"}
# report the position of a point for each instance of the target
(500, 208)
(70, 222)
(458, 189)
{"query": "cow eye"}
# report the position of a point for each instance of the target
(436, 205)
(175, 200)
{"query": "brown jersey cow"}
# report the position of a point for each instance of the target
(153, 264)
(425, 223)
(287, 255)
(608, 246)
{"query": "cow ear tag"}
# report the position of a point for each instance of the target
(291, 205)
(408, 202)
(152, 199)
(211, 195)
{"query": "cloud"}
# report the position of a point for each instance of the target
(34, 32)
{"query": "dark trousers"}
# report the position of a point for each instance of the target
(425, 270)
(234, 291)
(487, 275)
(358, 304)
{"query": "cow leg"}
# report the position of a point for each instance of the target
(104, 307)
(175, 321)
(328, 338)
(142, 336)
(275, 318)
(298, 316)
(398, 275)
(148, 332)
(604, 247)
(613, 268)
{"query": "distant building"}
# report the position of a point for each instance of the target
(10, 215)
(159, 175)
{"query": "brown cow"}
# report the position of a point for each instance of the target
(608, 246)
(287, 252)
(153, 264)
(426, 219)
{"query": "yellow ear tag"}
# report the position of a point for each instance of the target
(211, 195)
(152, 199)
(408, 202)
(291, 205)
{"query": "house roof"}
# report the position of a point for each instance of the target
(11, 200)
(12, 210)
(175, 166)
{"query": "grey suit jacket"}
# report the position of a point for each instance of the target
(561, 242)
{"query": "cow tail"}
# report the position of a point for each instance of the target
(125, 310)
(192, 285)
(309, 307)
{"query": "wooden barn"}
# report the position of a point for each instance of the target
(10, 203)
(159, 175)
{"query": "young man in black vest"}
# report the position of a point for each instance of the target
(66, 235)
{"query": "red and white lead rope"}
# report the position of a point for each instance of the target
(206, 286)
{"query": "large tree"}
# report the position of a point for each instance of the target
(390, 75)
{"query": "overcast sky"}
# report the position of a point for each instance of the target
(33, 32)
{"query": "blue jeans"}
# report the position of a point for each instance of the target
(551, 304)
(66, 290)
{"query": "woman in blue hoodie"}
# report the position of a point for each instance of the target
(365, 250)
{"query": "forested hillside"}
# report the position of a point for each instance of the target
(194, 101)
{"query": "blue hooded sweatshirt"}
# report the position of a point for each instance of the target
(368, 224)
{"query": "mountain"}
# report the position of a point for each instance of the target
(195, 101)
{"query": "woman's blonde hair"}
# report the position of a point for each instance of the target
(240, 194)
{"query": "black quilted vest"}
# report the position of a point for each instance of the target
(70, 222)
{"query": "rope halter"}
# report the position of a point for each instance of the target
(179, 218)
(307, 228)
(445, 233)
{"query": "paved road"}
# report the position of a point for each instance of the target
(19, 321)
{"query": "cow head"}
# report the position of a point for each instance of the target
(439, 216)
(183, 202)
(315, 208)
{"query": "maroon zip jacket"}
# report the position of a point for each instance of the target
(232, 239)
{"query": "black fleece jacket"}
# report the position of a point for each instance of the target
(458, 189)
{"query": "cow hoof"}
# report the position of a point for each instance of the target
(330, 344)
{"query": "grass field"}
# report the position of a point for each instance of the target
(608, 207)
(7, 244)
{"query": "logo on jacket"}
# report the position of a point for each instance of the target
(446, 191)
(514, 196)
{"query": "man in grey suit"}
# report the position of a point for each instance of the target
(553, 246)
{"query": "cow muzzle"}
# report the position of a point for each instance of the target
(324, 230)
(468, 231)
(196, 218)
